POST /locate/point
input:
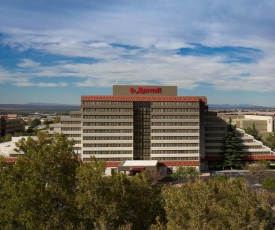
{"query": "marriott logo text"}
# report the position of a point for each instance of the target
(145, 90)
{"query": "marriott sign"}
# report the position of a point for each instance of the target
(145, 90)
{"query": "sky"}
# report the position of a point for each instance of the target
(54, 51)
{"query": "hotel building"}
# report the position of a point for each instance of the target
(147, 125)
(138, 123)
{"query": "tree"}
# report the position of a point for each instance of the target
(269, 183)
(95, 196)
(35, 122)
(6, 138)
(185, 172)
(47, 122)
(259, 169)
(233, 155)
(254, 132)
(37, 192)
(154, 176)
(111, 202)
(270, 141)
(57, 119)
(216, 204)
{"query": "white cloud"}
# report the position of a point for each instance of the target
(157, 28)
(27, 63)
(59, 84)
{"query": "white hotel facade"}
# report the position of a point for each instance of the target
(147, 125)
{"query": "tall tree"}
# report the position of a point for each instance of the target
(254, 132)
(233, 155)
(37, 192)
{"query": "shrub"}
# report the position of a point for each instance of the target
(269, 183)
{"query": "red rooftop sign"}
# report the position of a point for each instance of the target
(145, 90)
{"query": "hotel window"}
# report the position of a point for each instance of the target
(107, 131)
(70, 129)
(175, 131)
(107, 124)
(107, 145)
(175, 158)
(107, 138)
(175, 138)
(107, 152)
(70, 122)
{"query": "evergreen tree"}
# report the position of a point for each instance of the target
(233, 155)
(254, 132)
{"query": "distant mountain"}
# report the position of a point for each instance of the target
(240, 106)
(64, 108)
(48, 104)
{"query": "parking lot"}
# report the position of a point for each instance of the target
(251, 179)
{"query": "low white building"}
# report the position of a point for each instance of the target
(7, 148)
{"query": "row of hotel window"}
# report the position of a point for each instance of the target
(152, 145)
(131, 103)
(246, 153)
(242, 147)
(221, 141)
(131, 117)
(141, 122)
(131, 110)
(128, 130)
(152, 152)
(152, 138)
(161, 145)
(153, 158)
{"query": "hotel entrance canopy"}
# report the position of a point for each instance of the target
(137, 165)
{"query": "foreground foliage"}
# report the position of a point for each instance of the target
(269, 183)
(217, 204)
(50, 189)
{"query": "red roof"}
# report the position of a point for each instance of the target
(145, 98)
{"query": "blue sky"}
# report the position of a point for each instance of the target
(54, 51)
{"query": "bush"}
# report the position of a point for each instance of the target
(269, 183)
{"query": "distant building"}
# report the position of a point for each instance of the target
(10, 124)
(215, 131)
(261, 123)
(7, 149)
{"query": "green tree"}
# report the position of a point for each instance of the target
(35, 122)
(145, 204)
(57, 119)
(38, 191)
(254, 132)
(270, 141)
(94, 197)
(47, 122)
(115, 202)
(185, 172)
(6, 138)
(269, 183)
(216, 204)
(233, 155)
